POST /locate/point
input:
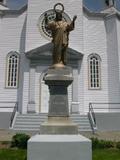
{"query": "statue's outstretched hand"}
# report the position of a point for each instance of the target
(75, 17)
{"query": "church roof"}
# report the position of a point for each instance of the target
(4, 9)
(106, 12)
(92, 13)
(111, 10)
(16, 4)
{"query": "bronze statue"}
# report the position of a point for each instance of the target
(60, 35)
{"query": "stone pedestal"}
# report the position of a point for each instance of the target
(59, 139)
(59, 147)
(58, 125)
(58, 79)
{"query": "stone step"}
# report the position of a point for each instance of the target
(31, 122)
(78, 116)
(28, 126)
(78, 120)
(37, 129)
(28, 123)
(37, 125)
(82, 123)
(28, 129)
(30, 119)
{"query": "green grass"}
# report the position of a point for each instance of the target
(12, 154)
(106, 154)
(98, 154)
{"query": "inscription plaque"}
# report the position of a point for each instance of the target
(58, 105)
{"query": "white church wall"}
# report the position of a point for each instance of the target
(23, 90)
(41, 94)
(113, 60)
(10, 31)
(36, 8)
(95, 42)
(12, 25)
(118, 37)
(80, 86)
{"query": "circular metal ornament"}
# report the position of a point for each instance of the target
(59, 4)
(51, 17)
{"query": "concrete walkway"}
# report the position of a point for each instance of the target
(6, 135)
(106, 135)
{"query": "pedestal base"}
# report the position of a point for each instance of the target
(58, 125)
(59, 147)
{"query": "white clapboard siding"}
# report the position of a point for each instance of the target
(95, 42)
(44, 97)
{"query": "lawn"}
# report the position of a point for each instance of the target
(12, 154)
(98, 154)
(106, 154)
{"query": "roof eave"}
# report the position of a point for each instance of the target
(100, 14)
(16, 11)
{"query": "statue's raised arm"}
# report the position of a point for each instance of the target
(72, 24)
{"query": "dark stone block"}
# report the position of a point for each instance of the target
(58, 79)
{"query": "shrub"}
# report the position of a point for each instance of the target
(109, 144)
(20, 140)
(94, 143)
(101, 144)
(118, 145)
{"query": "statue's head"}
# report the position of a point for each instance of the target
(58, 16)
(58, 12)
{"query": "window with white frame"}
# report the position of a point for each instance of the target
(12, 70)
(94, 62)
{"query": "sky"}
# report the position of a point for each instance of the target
(94, 5)
(97, 5)
(15, 3)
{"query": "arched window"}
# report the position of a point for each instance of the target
(12, 70)
(94, 62)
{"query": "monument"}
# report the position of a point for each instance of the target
(59, 139)
(59, 77)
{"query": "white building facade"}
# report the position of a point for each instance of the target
(93, 54)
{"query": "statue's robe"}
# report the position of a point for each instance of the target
(60, 34)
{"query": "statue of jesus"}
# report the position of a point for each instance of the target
(60, 36)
